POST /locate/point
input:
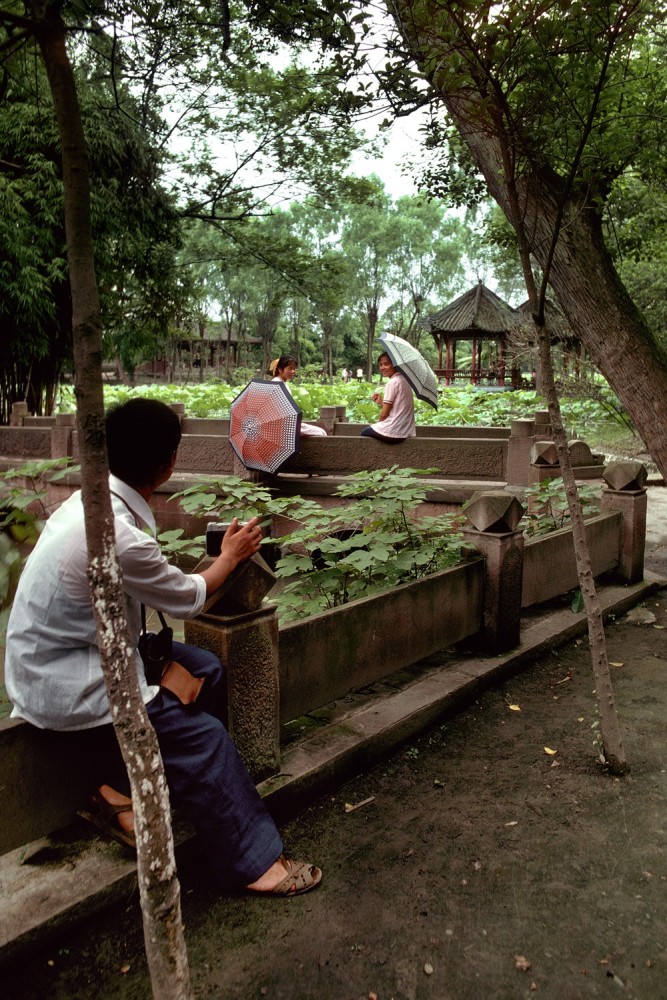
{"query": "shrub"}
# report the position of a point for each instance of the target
(334, 555)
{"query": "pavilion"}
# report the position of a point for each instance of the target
(481, 317)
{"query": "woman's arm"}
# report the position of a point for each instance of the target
(385, 406)
(385, 411)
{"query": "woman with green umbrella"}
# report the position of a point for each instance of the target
(397, 409)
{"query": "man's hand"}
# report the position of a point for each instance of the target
(238, 544)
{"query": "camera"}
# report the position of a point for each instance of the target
(215, 531)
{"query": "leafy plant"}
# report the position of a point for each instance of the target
(23, 511)
(547, 508)
(337, 554)
(458, 406)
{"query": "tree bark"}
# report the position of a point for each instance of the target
(158, 885)
(613, 752)
(582, 275)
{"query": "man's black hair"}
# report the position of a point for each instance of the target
(142, 436)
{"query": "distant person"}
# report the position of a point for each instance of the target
(345, 375)
(283, 369)
(360, 374)
(397, 408)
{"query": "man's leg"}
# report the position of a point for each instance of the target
(208, 779)
(202, 663)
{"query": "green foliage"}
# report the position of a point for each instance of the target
(465, 407)
(174, 545)
(134, 222)
(335, 555)
(23, 511)
(548, 508)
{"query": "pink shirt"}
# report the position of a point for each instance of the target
(401, 420)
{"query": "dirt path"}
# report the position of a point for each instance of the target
(478, 847)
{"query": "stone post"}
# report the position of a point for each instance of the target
(494, 516)
(243, 633)
(179, 409)
(625, 492)
(327, 418)
(341, 414)
(19, 411)
(519, 444)
(544, 463)
(61, 435)
(543, 427)
(247, 645)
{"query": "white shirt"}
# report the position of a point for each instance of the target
(306, 430)
(401, 420)
(53, 671)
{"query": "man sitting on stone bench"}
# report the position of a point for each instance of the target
(54, 675)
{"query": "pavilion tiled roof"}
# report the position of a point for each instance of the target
(478, 310)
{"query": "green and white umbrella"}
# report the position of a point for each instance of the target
(406, 359)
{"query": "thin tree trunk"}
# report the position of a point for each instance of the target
(614, 754)
(612, 741)
(158, 885)
(371, 319)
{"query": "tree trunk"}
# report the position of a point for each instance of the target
(371, 320)
(158, 885)
(612, 741)
(582, 275)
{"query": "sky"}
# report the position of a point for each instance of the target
(403, 143)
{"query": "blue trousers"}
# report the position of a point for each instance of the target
(369, 432)
(206, 777)
(208, 780)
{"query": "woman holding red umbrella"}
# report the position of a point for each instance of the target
(283, 369)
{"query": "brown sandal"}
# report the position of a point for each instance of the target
(103, 815)
(301, 877)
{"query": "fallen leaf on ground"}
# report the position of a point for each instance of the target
(617, 664)
(658, 626)
(534, 986)
(552, 753)
(521, 963)
(641, 616)
(514, 708)
(581, 719)
(428, 969)
(357, 805)
(438, 784)
(513, 822)
(125, 968)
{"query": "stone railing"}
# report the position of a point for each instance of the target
(519, 456)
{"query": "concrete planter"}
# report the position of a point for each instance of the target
(322, 658)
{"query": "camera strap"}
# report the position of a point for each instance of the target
(171, 675)
(144, 630)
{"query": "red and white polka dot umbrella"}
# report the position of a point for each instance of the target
(264, 425)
